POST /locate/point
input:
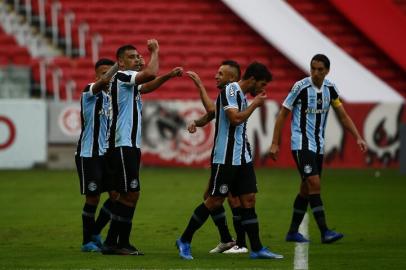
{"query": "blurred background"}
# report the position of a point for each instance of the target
(48, 50)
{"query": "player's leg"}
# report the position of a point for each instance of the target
(105, 211)
(299, 205)
(89, 179)
(126, 173)
(316, 203)
(241, 244)
(219, 218)
(218, 189)
(244, 185)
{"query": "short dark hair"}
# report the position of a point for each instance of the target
(259, 71)
(102, 62)
(233, 64)
(321, 58)
(122, 49)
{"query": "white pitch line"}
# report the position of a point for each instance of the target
(302, 249)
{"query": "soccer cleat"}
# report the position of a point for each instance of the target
(90, 247)
(185, 251)
(129, 250)
(98, 240)
(330, 237)
(264, 253)
(236, 250)
(221, 247)
(109, 250)
(296, 237)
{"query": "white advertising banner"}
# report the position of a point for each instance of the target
(23, 140)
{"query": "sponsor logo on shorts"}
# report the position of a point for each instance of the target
(92, 186)
(223, 189)
(308, 168)
(134, 183)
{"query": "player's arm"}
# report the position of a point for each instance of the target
(236, 117)
(277, 132)
(151, 70)
(201, 122)
(348, 124)
(204, 97)
(158, 81)
(105, 79)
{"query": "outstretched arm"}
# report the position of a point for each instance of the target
(201, 122)
(276, 138)
(151, 70)
(347, 122)
(207, 102)
(158, 81)
(105, 79)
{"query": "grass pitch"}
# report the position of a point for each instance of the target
(40, 221)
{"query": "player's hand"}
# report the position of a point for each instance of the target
(192, 127)
(362, 145)
(259, 99)
(274, 151)
(193, 75)
(176, 72)
(153, 45)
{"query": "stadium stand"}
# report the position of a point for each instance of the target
(197, 35)
(324, 16)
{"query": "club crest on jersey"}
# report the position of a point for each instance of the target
(134, 183)
(307, 168)
(92, 186)
(223, 189)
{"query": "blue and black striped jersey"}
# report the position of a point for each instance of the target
(95, 116)
(125, 129)
(231, 144)
(310, 106)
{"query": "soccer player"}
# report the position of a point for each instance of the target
(232, 169)
(310, 100)
(229, 71)
(90, 162)
(125, 142)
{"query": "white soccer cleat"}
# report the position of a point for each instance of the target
(236, 250)
(221, 247)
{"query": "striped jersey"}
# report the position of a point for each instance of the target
(310, 106)
(94, 112)
(231, 144)
(125, 129)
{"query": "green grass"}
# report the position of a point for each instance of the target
(40, 221)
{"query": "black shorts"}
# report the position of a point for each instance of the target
(238, 180)
(94, 175)
(308, 163)
(125, 163)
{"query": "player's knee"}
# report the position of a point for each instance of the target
(313, 183)
(248, 200)
(114, 195)
(213, 202)
(92, 199)
(130, 198)
(234, 202)
(205, 195)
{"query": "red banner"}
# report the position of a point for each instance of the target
(166, 141)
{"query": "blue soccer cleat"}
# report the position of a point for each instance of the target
(331, 236)
(264, 253)
(296, 237)
(185, 251)
(90, 247)
(98, 240)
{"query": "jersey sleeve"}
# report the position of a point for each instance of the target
(127, 76)
(88, 91)
(292, 96)
(335, 98)
(229, 97)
